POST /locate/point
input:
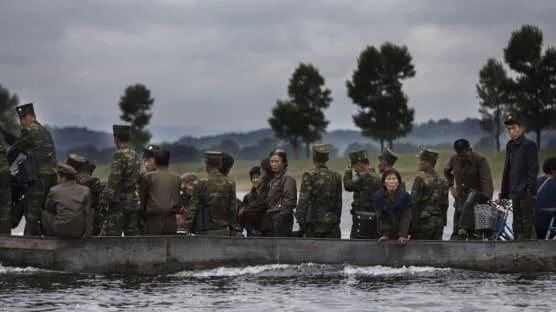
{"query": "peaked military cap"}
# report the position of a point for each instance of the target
(321, 152)
(78, 162)
(428, 155)
(25, 109)
(65, 169)
(357, 156)
(512, 119)
(388, 156)
(213, 158)
(148, 152)
(118, 130)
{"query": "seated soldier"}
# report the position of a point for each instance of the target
(188, 181)
(159, 191)
(67, 212)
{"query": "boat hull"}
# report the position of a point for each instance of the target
(149, 255)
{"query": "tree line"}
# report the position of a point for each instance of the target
(376, 88)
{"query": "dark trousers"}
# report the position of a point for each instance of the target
(160, 225)
(524, 218)
(282, 225)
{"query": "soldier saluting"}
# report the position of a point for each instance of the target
(120, 194)
(364, 185)
(35, 142)
(319, 209)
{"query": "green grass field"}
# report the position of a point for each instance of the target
(406, 164)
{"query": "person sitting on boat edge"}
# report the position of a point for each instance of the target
(67, 212)
(393, 207)
(210, 212)
(430, 199)
(188, 181)
(282, 196)
(546, 196)
(159, 192)
(319, 209)
(362, 180)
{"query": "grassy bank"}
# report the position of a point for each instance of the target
(407, 164)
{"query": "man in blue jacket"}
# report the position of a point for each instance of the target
(519, 180)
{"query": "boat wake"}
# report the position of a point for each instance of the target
(10, 270)
(306, 269)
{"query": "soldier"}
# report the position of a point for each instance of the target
(36, 143)
(319, 209)
(120, 194)
(430, 199)
(519, 180)
(83, 166)
(90, 167)
(386, 160)
(150, 165)
(211, 211)
(227, 164)
(67, 211)
(159, 191)
(467, 171)
(363, 185)
(5, 188)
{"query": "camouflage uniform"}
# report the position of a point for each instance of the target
(36, 142)
(213, 198)
(83, 177)
(5, 190)
(120, 193)
(430, 201)
(319, 209)
(363, 186)
(466, 173)
(225, 168)
(148, 153)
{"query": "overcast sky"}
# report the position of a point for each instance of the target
(217, 66)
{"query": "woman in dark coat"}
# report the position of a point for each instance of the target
(393, 207)
(282, 195)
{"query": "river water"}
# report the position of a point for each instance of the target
(306, 287)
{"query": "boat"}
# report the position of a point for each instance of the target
(153, 255)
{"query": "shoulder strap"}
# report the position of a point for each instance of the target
(543, 184)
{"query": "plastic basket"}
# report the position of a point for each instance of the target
(487, 217)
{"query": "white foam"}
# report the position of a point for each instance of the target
(4, 270)
(383, 270)
(228, 272)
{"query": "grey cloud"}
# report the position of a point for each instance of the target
(221, 65)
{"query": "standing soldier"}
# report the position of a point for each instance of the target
(319, 209)
(120, 196)
(36, 143)
(150, 166)
(430, 199)
(386, 160)
(467, 171)
(519, 180)
(227, 164)
(5, 188)
(363, 185)
(159, 191)
(211, 211)
(83, 177)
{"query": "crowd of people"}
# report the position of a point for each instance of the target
(66, 200)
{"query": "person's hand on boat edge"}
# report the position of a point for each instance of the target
(383, 238)
(403, 240)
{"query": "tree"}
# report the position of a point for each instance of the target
(533, 88)
(307, 100)
(136, 105)
(8, 102)
(376, 87)
(492, 91)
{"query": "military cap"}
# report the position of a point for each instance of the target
(65, 169)
(78, 162)
(512, 119)
(118, 130)
(227, 162)
(25, 109)
(213, 158)
(461, 145)
(428, 155)
(357, 156)
(388, 156)
(148, 152)
(321, 152)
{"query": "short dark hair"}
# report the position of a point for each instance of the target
(391, 172)
(282, 154)
(549, 165)
(162, 158)
(254, 171)
(460, 145)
